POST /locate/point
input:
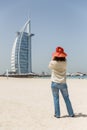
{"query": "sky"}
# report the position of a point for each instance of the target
(54, 23)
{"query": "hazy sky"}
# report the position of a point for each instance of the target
(54, 23)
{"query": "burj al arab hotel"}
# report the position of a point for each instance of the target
(21, 57)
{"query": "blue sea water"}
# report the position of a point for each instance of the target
(68, 77)
(77, 77)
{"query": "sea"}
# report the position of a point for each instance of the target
(68, 77)
(77, 77)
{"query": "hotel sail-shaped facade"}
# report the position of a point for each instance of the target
(21, 60)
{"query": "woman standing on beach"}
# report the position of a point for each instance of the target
(58, 77)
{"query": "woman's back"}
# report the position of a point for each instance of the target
(58, 71)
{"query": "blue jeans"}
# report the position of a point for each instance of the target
(64, 91)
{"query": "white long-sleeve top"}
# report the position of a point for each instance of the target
(58, 69)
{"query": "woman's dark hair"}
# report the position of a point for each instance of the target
(59, 58)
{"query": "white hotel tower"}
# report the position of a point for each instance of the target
(21, 59)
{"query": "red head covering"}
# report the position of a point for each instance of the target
(59, 52)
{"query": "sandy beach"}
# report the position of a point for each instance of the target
(27, 104)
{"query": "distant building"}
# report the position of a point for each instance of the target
(21, 59)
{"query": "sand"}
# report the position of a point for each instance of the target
(27, 104)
